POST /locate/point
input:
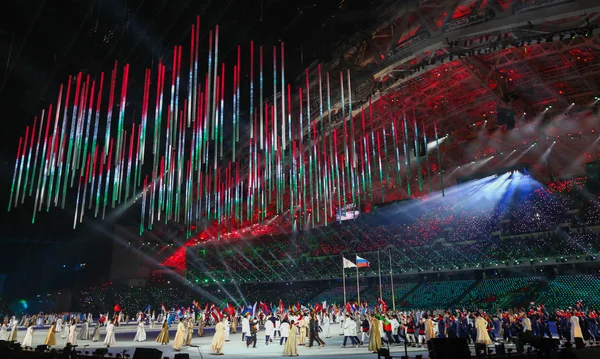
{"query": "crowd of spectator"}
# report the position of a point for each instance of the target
(488, 294)
(449, 232)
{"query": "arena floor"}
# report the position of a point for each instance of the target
(235, 348)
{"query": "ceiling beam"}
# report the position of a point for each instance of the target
(449, 9)
(496, 6)
(500, 23)
(584, 79)
(424, 22)
(482, 69)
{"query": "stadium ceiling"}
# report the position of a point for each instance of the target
(468, 57)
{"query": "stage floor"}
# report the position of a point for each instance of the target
(235, 348)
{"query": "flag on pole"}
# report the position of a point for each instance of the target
(383, 305)
(361, 262)
(216, 313)
(348, 264)
(265, 308)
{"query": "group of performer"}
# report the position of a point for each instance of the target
(69, 330)
(305, 326)
(301, 329)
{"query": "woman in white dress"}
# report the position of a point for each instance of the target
(96, 334)
(227, 324)
(482, 334)
(12, 337)
(40, 319)
(4, 330)
(66, 328)
(110, 334)
(326, 325)
(140, 336)
(28, 341)
(59, 325)
(72, 337)
(84, 333)
(152, 320)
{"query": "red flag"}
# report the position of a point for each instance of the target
(265, 308)
(231, 310)
(216, 313)
(383, 305)
(281, 306)
(348, 307)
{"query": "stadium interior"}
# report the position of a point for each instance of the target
(474, 143)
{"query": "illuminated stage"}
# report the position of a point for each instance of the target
(233, 349)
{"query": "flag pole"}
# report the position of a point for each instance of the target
(392, 279)
(344, 278)
(379, 268)
(357, 284)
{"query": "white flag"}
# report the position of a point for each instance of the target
(347, 263)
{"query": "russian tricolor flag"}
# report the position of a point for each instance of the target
(361, 262)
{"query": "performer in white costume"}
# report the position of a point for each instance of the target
(72, 337)
(140, 336)
(110, 334)
(4, 331)
(28, 341)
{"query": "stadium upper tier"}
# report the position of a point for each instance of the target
(489, 222)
